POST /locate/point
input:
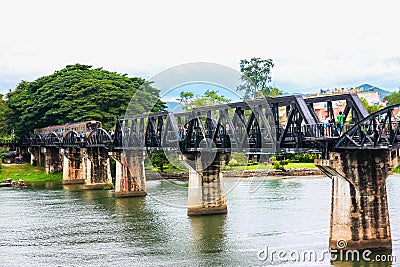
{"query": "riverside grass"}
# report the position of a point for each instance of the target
(31, 173)
(28, 173)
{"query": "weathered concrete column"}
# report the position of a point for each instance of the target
(72, 173)
(95, 167)
(53, 160)
(206, 186)
(37, 157)
(130, 178)
(359, 209)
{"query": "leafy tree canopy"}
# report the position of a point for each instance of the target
(256, 75)
(370, 108)
(77, 93)
(210, 98)
(4, 129)
(393, 98)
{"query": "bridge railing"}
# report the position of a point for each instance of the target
(320, 130)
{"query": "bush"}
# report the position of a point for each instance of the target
(240, 157)
(285, 162)
(277, 165)
(251, 163)
(302, 157)
(109, 186)
(233, 162)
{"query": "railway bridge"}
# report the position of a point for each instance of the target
(358, 161)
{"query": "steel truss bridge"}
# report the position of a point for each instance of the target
(251, 126)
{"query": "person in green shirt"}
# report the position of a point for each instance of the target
(340, 122)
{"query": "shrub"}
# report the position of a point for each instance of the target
(302, 157)
(233, 162)
(109, 186)
(277, 165)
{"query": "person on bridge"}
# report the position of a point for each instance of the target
(340, 123)
(327, 126)
(181, 133)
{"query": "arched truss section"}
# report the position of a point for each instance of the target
(201, 131)
(37, 140)
(379, 130)
(117, 140)
(98, 138)
(52, 139)
(71, 139)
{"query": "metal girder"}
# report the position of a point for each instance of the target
(98, 138)
(378, 130)
(249, 126)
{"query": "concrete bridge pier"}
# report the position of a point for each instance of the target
(359, 208)
(95, 167)
(37, 156)
(206, 186)
(72, 173)
(53, 160)
(130, 178)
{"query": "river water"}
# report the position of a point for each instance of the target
(51, 225)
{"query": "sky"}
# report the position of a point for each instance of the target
(314, 44)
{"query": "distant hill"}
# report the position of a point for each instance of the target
(175, 107)
(292, 93)
(370, 88)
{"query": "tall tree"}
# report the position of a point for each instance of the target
(370, 108)
(209, 98)
(269, 92)
(185, 98)
(256, 74)
(77, 93)
(4, 129)
(393, 98)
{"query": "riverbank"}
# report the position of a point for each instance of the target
(241, 173)
(31, 173)
(28, 173)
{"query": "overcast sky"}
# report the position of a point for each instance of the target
(314, 44)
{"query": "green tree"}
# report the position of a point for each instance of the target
(370, 108)
(5, 131)
(393, 98)
(185, 98)
(209, 98)
(256, 74)
(214, 98)
(158, 159)
(78, 93)
(269, 92)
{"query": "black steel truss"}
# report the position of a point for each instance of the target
(378, 130)
(251, 126)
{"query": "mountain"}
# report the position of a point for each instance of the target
(175, 107)
(370, 88)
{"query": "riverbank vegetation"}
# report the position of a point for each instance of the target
(28, 173)
(73, 94)
(239, 162)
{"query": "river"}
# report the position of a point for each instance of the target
(51, 225)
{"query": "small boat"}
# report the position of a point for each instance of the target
(6, 183)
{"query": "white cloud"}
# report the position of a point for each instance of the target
(313, 43)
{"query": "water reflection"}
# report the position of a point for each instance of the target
(49, 185)
(67, 226)
(208, 233)
(366, 258)
(142, 225)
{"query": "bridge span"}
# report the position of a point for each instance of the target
(358, 161)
